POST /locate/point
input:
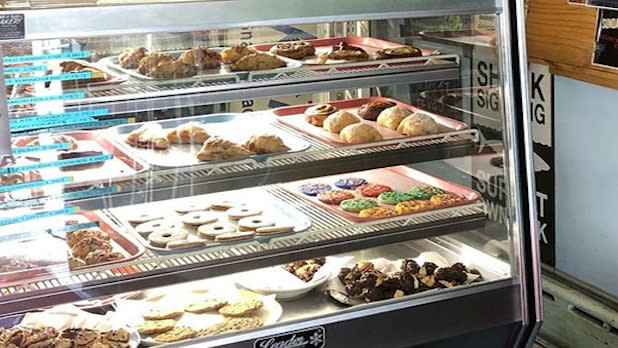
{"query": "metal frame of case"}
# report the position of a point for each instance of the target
(519, 297)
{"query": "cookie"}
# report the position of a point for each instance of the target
(377, 213)
(198, 218)
(408, 207)
(266, 231)
(151, 226)
(334, 196)
(143, 216)
(252, 223)
(241, 308)
(185, 244)
(445, 200)
(161, 313)
(314, 189)
(186, 207)
(235, 236)
(350, 183)
(211, 231)
(237, 213)
(425, 192)
(176, 334)
(161, 237)
(233, 324)
(205, 305)
(372, 190)
(224, 204)
(357, 204)
(119, 335)
(152, 327)
(394, 197)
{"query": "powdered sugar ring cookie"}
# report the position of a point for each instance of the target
(198, 218)
(161, 237)
(211, 231)
(225, 204)
(237, 213)
(252, 223)
(144, 216)
(151, 226)
(186, 207)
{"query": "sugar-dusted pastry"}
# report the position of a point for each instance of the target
(258, 61)
(148, 136)
(130, 60)
(188, 133)
(338, 120)
(202, 57)
(232, 54)
(345, 51)
(359, 133)
(269, 143)
(371, 110)
(391, 117)
(172, 70)
(150, 61)
(318, 113)
(418, 124)
(294, 50)
(399, 52)
(215, 149)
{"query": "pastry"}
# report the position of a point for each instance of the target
(143, 216)
(150, 62)
(372, 190)
(261, 144)
(185, 207)
(205, 305)
(242, 212)
(80, 154)
(161, 313)
(399, 52)
(316, 114)
(148, 136)
(355, 205)
(73, 237)
(252, 223)
(89, 244)
(242, 308)
(350, 183)
(198, 218)
(215, 149)
(72, 66)
(176, 334)
(335, 122)
(314, 189)
(75, 263)
(171, 70)
(161, 237)
(232, 54)
(418, 124)
(270, 230)
(446, 199)
(235, 236)
(392, 117)
(408, 207)
(201, 57)
(306, 269)
(425, 192)
(377, 213)
(334, 197)
(188, 133)
(118, 335)
(233, 324)
(294, 50)
(344, 51)
(394, 197)
(371, 110)
(130, 60)
(102, 256)
(151, 226)
(360, 133)
(258, 61)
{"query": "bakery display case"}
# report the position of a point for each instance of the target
(261, 174)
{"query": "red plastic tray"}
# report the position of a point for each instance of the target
(293, 116)
(370, 45)
(400, 178)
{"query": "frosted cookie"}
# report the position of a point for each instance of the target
(235, 236)
(198, 218)
(394, 197)
(176, 334)
(357, 204)
(252, 223)
(350, 183)
(161, 313)
(143, 216)
(242, 308)
(377, 213)
(211, 231)
(152, 327)
(314, 189)
(161, 237)
(151, 226)
(237, 213)
(205, 305)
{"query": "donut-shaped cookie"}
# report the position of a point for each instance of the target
(211, 231)
(372, 190)
(377, 213)
(314, 189)
(357, 204)
(198, 218)
(252, 223)
(185, 207)
(242, 212)
(334, 196)
(224, 204)
(394, 197)
(143, 216)
(408, 207)
(151, 226)
(161, 237)
(350, 183)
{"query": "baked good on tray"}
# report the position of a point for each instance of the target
(172, 70)
(131, 59)
(258, 61)
(371, 110)
(188, 133)
(399, 52)
(418, 124)
(316, 114)
(345, 51)
(392, 117)
(232, 54)
(294, 50)
(71, 66)
(150, 61)
(306, 269)
(359, 133)
(269, 143)
(201, 57)
(148, 136)
(335, 122)
(216, 148)
(90, 247)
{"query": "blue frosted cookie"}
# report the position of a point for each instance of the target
(350, 183)
(314, 189)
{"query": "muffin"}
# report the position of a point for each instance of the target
(391, 117)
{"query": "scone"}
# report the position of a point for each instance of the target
(294, 50)
(188, 133)
(130, 60)
(148, 136)
(150, 61)
(391, 117)
(399, 52)
(370, 111)
(418, 124)
(258, 61)
(202, 57)
(337, 121)
(262, 144)
(359, 133)
(232, 54)
(172, 70)
(316, 114)
(216, 148)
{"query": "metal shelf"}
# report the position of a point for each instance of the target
(208, 15)
(329, 234)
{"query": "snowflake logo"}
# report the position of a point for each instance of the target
(316, 339)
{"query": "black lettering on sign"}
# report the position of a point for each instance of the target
(536, 86)
(308, 338)
(12, 26)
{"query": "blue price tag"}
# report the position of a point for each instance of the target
(32, 100)
(51, 123)
(32, 58)
(28, 217)
(33, 184)
(40, 148)
(90, 125)
(47, 78)
(89, 193)
(24, 69)
(59, 163)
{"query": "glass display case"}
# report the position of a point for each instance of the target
(266, 174)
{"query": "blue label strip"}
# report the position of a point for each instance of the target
(59, 163)
(40, 148)
(51, 123)
(30, 58)
(33, 184)
(32, 100)
(95, 192)
(28, 217)
(90, 125)
(64, 230)
(47, 78)
(24, 69)
(64, 116)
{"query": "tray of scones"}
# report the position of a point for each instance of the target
(365, 120)
(206, 139)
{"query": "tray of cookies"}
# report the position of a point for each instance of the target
(206, 139)
(366, 120)
(350, 50)
(211, 220)
(382, 193)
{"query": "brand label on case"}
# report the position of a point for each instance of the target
(12, 26)
(309, 338)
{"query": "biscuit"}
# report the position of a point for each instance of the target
(161, 237)
(176, 334)
(233, 324)
(160, 314)
(205, 305)
(240, 309)
(151, 327)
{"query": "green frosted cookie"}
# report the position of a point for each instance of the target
(357, 204)
(394, 197)
(425, 192)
